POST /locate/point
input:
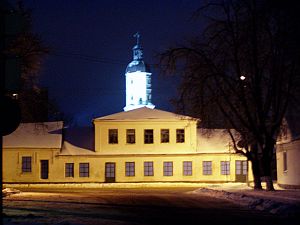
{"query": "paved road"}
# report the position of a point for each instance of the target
(128, 206)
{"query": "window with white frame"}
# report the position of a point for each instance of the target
(168, 168)
(130, 169)
(148, 169)
(69, 170)
(164, 136)
(207, 167)
(113, 136)
(225, 167)
(130, 136)
(148, 136)
(187, 168)
(84, 169)
(26, 164)
(179, 135)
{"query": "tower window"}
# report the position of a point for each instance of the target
(131, 81)
(140, 101)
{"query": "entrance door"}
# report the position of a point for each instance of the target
(44, 169)
(110, 168)
(241, 169)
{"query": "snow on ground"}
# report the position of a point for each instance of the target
(9, 191)
(281, 201)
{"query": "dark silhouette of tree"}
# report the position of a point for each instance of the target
(241, 74)
(30, 50)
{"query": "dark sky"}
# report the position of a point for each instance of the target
(91, 43)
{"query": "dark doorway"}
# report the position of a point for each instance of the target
(44, 169)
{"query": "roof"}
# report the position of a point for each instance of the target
(78, 141)
(35, 135)
(144, 113)
(137, 65)
(290, 129)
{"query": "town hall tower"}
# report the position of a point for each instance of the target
(138, 80)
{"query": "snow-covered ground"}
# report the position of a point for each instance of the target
(282, 201)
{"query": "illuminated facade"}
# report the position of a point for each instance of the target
(141, 145)
(138, 80)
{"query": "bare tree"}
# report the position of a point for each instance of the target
(243, 69)
(30, 50)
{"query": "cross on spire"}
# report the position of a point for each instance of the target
(137, 36)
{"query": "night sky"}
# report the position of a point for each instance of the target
(91, 44)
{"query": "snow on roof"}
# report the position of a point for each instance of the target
(213, 141)
(290, 130)
(35, 135)
(144, 113)
(78, 141)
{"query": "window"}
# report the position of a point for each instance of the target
(110, 169)
(148, 168)
(164, 136)
(241, 167)
(148, 136)
(168, 168)
(187, 168)
(26, 164)
(129, 169)
(84, 170)
(69, 170)
(113, 136)
(285, 161)
(130, 136)
(180, 135)
(225, 168)
(245, 167)
(207, 168)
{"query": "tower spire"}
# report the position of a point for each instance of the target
(137, 36)
(137, 49)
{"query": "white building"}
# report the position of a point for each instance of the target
(288, 154)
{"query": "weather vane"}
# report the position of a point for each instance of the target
(137, 35)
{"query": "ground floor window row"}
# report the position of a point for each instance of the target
(241, 168)
(168, 167)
